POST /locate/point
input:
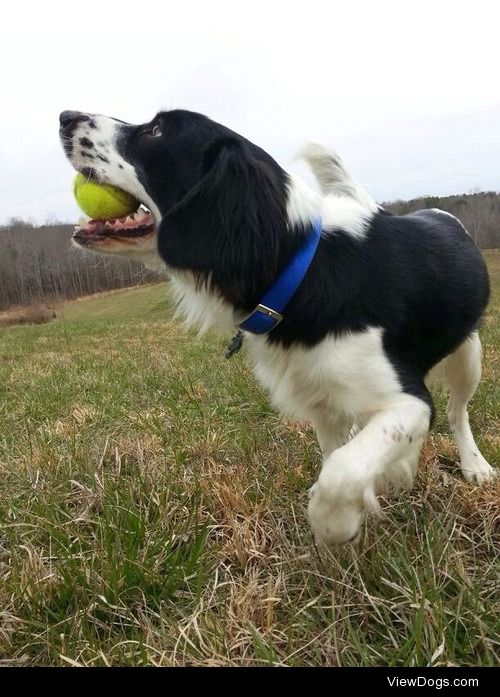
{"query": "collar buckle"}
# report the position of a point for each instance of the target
(261, 320)
(269, 312)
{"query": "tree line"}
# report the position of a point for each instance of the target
(39, 263)
(479, 211)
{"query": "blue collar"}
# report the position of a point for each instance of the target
(269, 312)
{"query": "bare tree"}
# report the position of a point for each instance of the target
(40, 264)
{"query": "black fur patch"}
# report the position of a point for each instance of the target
(86, 143)
(88, 173)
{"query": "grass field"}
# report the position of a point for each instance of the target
(152, 512)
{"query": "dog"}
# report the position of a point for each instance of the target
(372, 304)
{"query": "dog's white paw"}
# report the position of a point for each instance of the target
(333, 519)
(477, 470)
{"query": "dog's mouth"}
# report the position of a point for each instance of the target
(126, 229)
(132, 229)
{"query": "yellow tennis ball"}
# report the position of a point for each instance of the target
(102, 201)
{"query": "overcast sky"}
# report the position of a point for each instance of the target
(407, 92)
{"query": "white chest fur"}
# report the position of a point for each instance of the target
(349, 375)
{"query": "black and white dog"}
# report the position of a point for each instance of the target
(386, 301)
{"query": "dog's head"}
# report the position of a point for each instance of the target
(217, 203)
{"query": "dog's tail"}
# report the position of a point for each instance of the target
(332, 176)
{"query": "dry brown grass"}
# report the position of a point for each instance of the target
(37, 313)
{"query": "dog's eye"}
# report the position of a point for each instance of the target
(153, 131)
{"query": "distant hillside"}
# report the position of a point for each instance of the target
(478, 211)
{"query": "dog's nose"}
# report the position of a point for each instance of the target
(69, 119)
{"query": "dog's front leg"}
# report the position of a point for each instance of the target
(386, 448)
(332, 430)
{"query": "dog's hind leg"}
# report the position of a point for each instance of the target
(462, 373)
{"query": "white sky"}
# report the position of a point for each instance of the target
(407, 92)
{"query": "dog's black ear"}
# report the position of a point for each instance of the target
(229, 228)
